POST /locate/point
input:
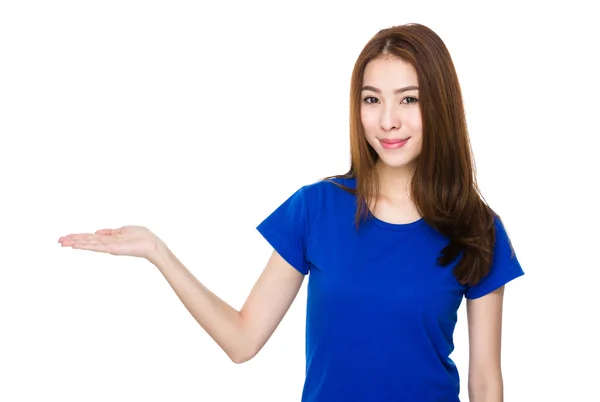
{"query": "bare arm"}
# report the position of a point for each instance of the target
(241, 334)
(484, 317)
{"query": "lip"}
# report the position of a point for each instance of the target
(393, 143)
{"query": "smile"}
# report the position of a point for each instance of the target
(393, 143)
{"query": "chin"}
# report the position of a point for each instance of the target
(395, 163)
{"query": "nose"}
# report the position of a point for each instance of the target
(390, 119)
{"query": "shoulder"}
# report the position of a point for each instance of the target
(502, 241)
(499, 228)
(330, 189)
(505, 265)
(331, 185)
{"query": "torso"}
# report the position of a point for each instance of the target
(381, 312)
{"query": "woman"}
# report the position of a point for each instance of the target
(391, 247)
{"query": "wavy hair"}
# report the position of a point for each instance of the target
(444, 186)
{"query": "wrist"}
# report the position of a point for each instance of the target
(159, 252)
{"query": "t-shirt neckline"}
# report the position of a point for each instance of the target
(397, 226)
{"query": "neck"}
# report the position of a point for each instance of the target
(394, 183)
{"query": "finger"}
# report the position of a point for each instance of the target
(76, 235)
(82, 236)
(69, 238)
(88, 236)
(91, 246)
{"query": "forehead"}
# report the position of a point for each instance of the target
(389, 72)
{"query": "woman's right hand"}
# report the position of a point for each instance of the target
(134, 241)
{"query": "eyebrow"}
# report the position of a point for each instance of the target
(397, 91)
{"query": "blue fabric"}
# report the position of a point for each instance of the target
(380, 312)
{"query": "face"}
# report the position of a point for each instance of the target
(390, 111)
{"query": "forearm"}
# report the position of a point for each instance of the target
(222, 322)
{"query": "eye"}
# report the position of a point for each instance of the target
(409, 100)
(370, 100)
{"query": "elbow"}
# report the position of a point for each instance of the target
(486, 388)
(239, 359)
(241, 356)
(246, 345)
(245, 351)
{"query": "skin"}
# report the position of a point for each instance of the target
(241, 334)
(385, 113)
(389, 113)
(390, 110)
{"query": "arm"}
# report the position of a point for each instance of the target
(484, 316)
(241, 334)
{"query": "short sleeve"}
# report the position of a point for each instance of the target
(505, 265)
(286, 229)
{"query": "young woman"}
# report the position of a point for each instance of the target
(391, 247)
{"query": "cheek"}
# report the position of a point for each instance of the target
(415, 123)
(369, 120)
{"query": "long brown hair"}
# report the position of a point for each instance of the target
(444, 186)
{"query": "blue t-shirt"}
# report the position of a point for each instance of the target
(380, 311)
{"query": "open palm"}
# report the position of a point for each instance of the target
(135, 241)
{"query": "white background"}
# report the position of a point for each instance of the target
(197, 120)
